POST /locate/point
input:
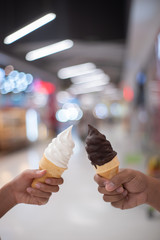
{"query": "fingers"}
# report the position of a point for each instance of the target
(42, 189)
(111, 192)
(36, 173)
(50, 185)
(42, 192)
(117, 191)
(30, 174)
(100, 180)
(108, 184)
(114, 198)
(38, 193)
(40, 201)
(54, 181)
(122, 204)
(121, 178)
(118, 204)
(47, 188)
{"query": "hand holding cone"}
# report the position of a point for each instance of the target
(52, 171)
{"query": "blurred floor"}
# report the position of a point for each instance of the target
(77, 211)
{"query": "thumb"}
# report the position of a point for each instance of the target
(36, 173)
(124, 176)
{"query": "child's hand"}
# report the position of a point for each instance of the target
(23, 192)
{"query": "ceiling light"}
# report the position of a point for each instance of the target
(77, 91)
(90, 78)
(29, 28)
(48, 50)
(76, 70)
(86, 77)
(91, 84)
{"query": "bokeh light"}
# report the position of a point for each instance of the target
(101, 111)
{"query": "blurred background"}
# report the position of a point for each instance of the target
(76, 63)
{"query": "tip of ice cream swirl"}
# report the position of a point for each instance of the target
(98, 147)
(60, 149)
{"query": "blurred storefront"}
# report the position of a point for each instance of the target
(27, 109)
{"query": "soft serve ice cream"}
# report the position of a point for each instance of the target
(60, 149)
(99, 149)
(101, 153)
(56, 156)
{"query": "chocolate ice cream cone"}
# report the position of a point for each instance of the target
(101, 153)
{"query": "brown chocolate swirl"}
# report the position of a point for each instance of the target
(98, 147)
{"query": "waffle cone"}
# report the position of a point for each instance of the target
(108, 170)
(52, 171)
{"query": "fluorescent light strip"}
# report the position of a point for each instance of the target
(76, 70)
(85, 91)
(29, 28)
(91, 84)
(48, 50)
(87, 77)
(94, 86)
(96, 77)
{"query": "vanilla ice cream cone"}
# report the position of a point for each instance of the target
(52, 171)
(56, 156)
(109, 169)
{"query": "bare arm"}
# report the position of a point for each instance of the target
(153, 193)
(7, 200)
(130, 188)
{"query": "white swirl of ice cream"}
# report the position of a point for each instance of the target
(60, 149)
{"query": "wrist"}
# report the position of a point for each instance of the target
(11, 194)
(153, 192)
(7, 199)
